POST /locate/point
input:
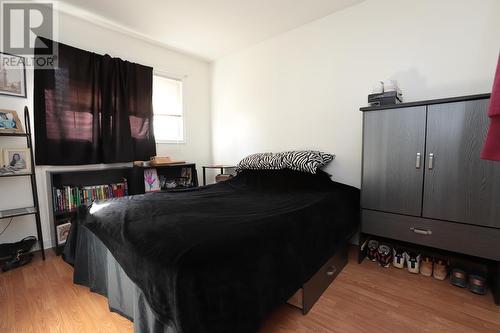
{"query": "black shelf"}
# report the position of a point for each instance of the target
(15, 134)
(65, 213)
(82, 178)
(17, 175)
(92, 177)
(177, 189)
(169, 171)
(9, 213)
(167, 166)
(35, 209)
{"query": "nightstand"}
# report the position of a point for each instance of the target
(222, 167)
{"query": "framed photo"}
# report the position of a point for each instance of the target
(63, 232)
(17, 159)
(9, 122)
(151, 181)
(12, 75)
(187, 174)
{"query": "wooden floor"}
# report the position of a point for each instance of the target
(40, 297)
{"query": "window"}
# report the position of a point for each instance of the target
(167, 109)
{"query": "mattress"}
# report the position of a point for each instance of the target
(220, 258)
(96, 268)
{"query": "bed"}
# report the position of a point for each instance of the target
(218, 258)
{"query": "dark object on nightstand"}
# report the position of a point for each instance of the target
(219, 166)
(222, 178)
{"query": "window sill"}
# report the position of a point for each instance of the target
(158, 142)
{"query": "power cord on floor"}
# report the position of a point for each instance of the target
(1, 233)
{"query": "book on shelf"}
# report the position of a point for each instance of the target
(68, 198)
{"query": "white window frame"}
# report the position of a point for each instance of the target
(171, 77)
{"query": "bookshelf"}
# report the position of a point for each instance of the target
(85, 179)
(170, 172)
(64, 211)
(32, 210)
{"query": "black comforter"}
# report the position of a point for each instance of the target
(221, 258)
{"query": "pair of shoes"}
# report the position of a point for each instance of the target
(476, 283)
(413, 262)
(379, 252)
(399, 257)
(440, 271)
(458, 278)
(372, 251)
(426, 265)
(384, 255)
(435, 267)
(411, 259)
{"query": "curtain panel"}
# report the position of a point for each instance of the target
(491, 149)
(92, 109)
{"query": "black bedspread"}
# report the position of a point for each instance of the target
(221, 258)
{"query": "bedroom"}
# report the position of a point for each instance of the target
(240, 78)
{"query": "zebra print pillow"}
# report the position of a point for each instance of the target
(305, 161)
(261, 161)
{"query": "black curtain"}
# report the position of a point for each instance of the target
(92, 109)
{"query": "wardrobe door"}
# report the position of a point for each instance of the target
(393, 161)
(459, 186)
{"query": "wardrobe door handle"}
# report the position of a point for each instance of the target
(421, 231)
(431, 161)
(419, 161)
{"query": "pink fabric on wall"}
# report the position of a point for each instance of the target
(491, 150)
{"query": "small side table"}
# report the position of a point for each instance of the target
(218, 166)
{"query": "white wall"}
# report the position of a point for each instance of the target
(82, 34)
(303, 89)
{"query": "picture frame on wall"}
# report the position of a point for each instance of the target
(12, 75)
(17, 159)
(9, 122)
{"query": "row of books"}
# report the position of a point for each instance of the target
(68, 198)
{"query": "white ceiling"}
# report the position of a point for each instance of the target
(208, 29)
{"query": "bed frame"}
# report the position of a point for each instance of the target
(311, 291)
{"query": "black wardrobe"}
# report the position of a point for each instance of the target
(423, 180)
